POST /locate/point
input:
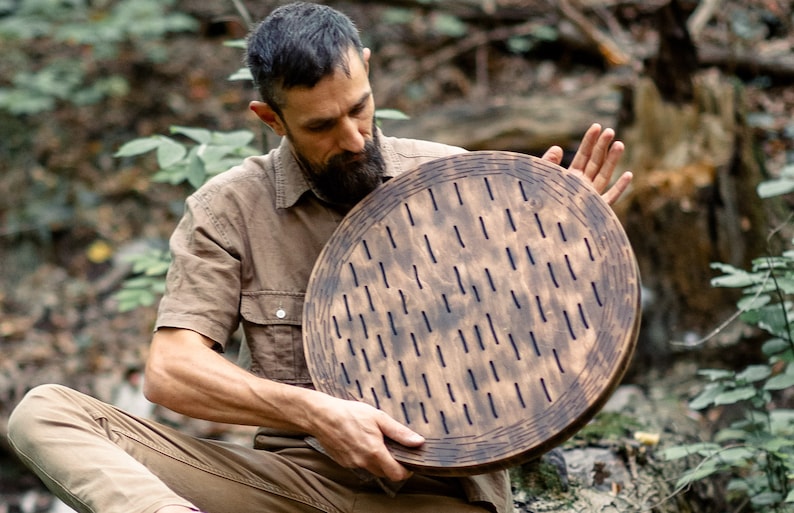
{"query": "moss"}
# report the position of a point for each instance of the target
(608, 426)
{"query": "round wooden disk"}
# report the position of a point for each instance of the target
(489, 301)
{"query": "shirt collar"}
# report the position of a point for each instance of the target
(290, 182)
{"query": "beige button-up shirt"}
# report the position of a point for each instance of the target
(244, 251)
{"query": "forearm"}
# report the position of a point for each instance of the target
(185, 375)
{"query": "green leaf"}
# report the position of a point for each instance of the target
(775, 346)
(754, 373)
(706, 397)
(730, 434)
(236, 139)
(213, 153)
(753, 302)
(241, 74)
(777, 187)
(790, 496)
(736, 279)
(236, 43)
(199, 135)
(735, 396)
(777, 443)
(138, 147)
(195, 172)
(735, 455)
(391, 114)
(449, 25)
(682, 451)
(705, 469)
(779, 382)
(716, 374)
(766, 499)
(169, 152)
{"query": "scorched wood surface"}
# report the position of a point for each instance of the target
(489, 301)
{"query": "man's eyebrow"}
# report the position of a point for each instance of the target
(356, 106)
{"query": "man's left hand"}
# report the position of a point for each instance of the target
(596, 160)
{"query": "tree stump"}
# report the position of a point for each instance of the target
(693, 202)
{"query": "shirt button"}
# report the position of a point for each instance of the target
(280, 313)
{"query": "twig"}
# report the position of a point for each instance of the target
(244, 14)
(475, 40)
(608, 48)
(703, 13)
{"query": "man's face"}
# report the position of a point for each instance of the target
(332, 131)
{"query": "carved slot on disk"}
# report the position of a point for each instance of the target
(552, 275)
(583, 317)
(385, 386)
(484, 229)
(540, 226)
(515, 346)
(529, 255)
(457, 192)
(568, 323)
(570, 267)
(430, 250)
(382, 347)
(519, 396)
(409, 214)
(488, 187)
(433, 199)
(353, 272)
(347, 308)
(460, 238)
(545, 389)
(510, 220)
(562, 232)
(559, 363)
(515, 299)
(391, 237)
(511, 259)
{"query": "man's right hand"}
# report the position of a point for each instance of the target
(352, 433)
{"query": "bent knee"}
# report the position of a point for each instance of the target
(26, 419)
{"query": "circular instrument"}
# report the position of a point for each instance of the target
(490, 301)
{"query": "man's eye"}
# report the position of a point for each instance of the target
(320, 128)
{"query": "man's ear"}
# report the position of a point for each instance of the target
(268, 116)
(365, 55)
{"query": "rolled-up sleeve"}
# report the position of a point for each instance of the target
(203, 281)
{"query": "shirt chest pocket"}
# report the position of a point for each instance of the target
(272, 327)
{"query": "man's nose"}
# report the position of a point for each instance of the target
(350, 137)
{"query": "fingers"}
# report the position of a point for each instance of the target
(585, 151)
(400, 433)
(553, 155)
(354, 435)
(617, 190)
(597, 158)
(384, 464)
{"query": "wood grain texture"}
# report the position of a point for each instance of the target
(489, 301)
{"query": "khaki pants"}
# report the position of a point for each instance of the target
(99, 459)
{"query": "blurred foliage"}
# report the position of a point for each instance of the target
(756, 451)
(83, 35)
(60, 56)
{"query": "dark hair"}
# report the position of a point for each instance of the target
(297, 45)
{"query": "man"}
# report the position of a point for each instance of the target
(243, 253)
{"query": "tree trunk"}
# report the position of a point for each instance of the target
(693, 202)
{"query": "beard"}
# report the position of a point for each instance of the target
(345, 179)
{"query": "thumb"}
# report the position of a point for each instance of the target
(553, 155)
(399, 433)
